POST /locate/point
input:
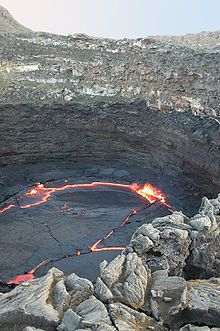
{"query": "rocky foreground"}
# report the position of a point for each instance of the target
(168, 278)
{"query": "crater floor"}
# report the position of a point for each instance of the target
(75, 228)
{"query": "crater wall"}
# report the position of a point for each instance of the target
(176, 144)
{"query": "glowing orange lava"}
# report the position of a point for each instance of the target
(4, 209)
(41, 194)
(26, 277)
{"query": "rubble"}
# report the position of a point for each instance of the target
(130, 294)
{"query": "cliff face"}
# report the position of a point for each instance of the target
(167, 72)
(177, 144)
(76, 96)
(45, 68)
(9, 24)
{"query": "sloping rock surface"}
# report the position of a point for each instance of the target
(8, 24)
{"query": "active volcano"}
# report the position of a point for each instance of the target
(76, 244)
(59, 120)
(107, 147)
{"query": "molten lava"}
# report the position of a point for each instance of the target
(26, 277)
(8, 207)
(40, 194)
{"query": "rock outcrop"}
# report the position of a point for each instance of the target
(155, 241)
(170, 73)
(196, 40)
(39, 303)
(8, 24)
(205, 258)
(149, 286)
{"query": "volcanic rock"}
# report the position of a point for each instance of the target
(134, 101)
(30, 328)
(200, 305)
(112, 272)
(9, 24)
(61, 298)
(80, 289)
(70, 321)
(190, 327)
(179, 73)
(128, 319)
(75, 97)
(128, 285)
(32, 305)
(166, 293)
(204, 260)
(141, 243)
(198, 40)
(102, 292)
(203, 302)
(121, 174)
(133, 289)
(93, 312)
(147, 230)
(164, 244)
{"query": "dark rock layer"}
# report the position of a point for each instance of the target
(176, 144)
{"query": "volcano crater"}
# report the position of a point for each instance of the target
(56, 146)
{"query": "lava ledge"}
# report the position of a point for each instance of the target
(168, 278)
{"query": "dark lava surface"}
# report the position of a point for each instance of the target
(75, 219)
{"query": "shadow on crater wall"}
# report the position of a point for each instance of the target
(177, 144)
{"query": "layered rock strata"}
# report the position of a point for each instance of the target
(42, 68)
(175, 144)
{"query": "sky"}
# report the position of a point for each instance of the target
(117, 18)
